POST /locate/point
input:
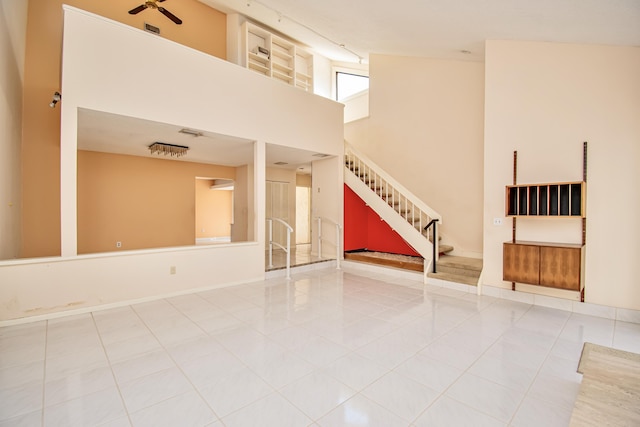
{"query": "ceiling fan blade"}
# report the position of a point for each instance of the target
(138, 9)
(170, 15)
(159, 1)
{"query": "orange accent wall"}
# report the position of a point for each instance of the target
(203, 29)
(213, 210)
(363, 229)
(139, 201)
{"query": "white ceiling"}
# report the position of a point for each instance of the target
(113, 133)
(440, 28)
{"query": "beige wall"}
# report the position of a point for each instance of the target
(204, 29)
(303, 180)
(141, 202)
(544, 100)
(426, 130)
(12, 40)
(243, 227)
(213, 210)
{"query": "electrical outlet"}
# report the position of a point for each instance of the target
(497, 221)
(118, 244)
(172, 269)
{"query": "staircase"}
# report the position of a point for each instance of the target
(408, 216)
(458, 269)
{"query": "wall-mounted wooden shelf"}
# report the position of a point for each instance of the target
(553, 265)
(564, 199)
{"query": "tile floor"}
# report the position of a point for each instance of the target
(300, 255)
(329, 348)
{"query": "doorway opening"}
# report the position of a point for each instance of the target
(214, 210)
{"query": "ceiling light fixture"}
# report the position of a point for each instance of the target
(173, 150)
(465, 52)
(190, 132)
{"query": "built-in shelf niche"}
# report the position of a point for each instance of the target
(276, 57)
(551, 200)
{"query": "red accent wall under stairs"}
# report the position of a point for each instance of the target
(363, 228)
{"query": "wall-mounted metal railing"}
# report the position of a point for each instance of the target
(338, 228)
(286, 249)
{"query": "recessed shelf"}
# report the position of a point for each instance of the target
(285, 61)
(282, 68)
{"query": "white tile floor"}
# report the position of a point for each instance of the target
(300, 255)
(329, 348)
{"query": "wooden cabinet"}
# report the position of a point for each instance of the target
(276, 57)
(552, 265)
(521, 263)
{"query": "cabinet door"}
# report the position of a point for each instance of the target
(560, 267)
(521, 263)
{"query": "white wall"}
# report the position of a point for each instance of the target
(114, 68)
(13, 25)
(544, 100)
(322, 76)
(425, 129)
(327, 201)
(356, 107)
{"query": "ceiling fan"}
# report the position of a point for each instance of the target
(152, 4)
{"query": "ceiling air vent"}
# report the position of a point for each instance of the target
(152, 29)
(281, 163)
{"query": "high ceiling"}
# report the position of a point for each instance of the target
(439, 28)
(350, 30)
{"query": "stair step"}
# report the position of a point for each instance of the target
(444, 249)
(472, 264)
(468, 271)
(405, 262)
(458, 269)
(473, 281)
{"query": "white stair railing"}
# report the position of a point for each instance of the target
(405, 204)
(286, 249)
(338, 239)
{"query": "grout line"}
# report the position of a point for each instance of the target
(44, 371)
(466, 371)
(113, 375)
(541, 365)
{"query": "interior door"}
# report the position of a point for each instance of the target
(277, 198)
